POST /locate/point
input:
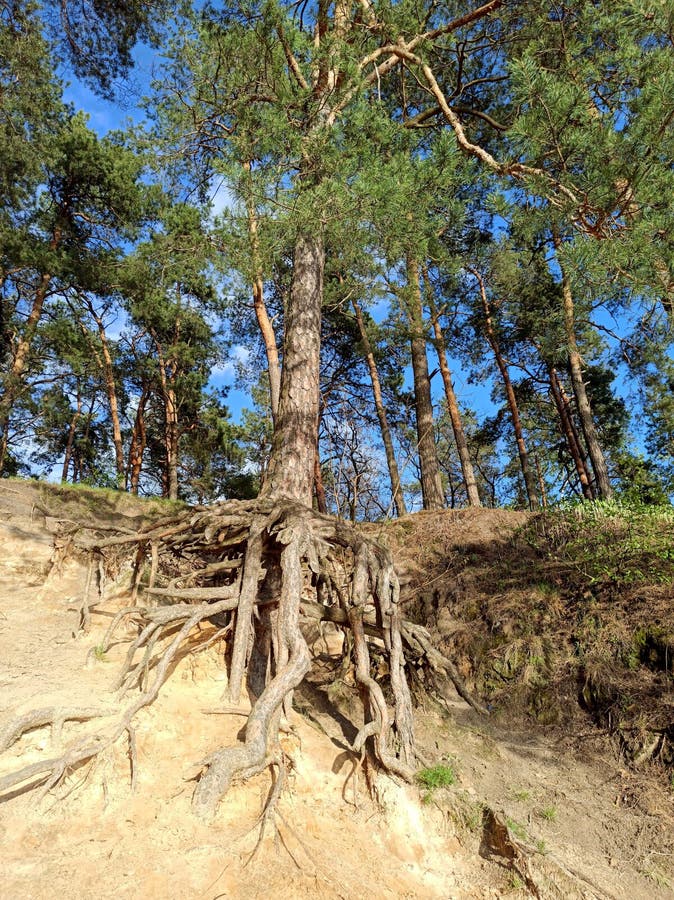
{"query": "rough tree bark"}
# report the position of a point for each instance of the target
(319, 487)
(431, 484)
(291, 467)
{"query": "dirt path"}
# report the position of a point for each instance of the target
(584, 821)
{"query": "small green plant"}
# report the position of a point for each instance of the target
(100, 653)
(549, 813)
(518, 830)
(516, 883)
(435, 777)
(521, 796)
(473, 818)
(657, 876)
(541, 846)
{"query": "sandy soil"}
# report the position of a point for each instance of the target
(590, 830)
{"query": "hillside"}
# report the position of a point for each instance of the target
(499, 590)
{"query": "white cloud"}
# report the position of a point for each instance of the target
(240, 353)
(238, 356)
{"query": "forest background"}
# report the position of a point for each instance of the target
(493, 199)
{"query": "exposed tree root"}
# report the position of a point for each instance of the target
(252, 569)
(38, 718)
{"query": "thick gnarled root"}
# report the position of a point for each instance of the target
(251, 569)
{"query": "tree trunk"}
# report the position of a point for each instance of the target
(271, 350)
(261, 314)
(541, 483)
(570, 433)
(527, 473)
(319, 487)
(137, 448)
(106, 367)
(597, 459)
(396, 489)
(79, 470)
(12, 384)
(291, 466)
(469, 480)
(23, 347)
(111, 389)
(172, 443)
(431, 484)
(170, 479)
(71, 440)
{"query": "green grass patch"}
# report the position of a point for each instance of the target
(440, 776)
(517, 830)
(549, 813)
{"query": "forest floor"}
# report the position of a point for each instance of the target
(583, 822)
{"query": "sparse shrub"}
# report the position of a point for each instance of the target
(609, 540)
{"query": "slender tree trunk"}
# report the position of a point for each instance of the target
(15, 375)
(467, 470)
(353, 493)
(271, 349)
(172, 443)
(541, 482)
(171, 434)
(570, 433)
(12, 385)
(319, 487)
(111, 389)
(582, 452)
(106, 367)
(71, 439)
(291, 466)
(527, 473)
(79, 471)
(264, 322)
(137, 447)
(431, 484)
(396, 488)
(4, 438)
(597, 458)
